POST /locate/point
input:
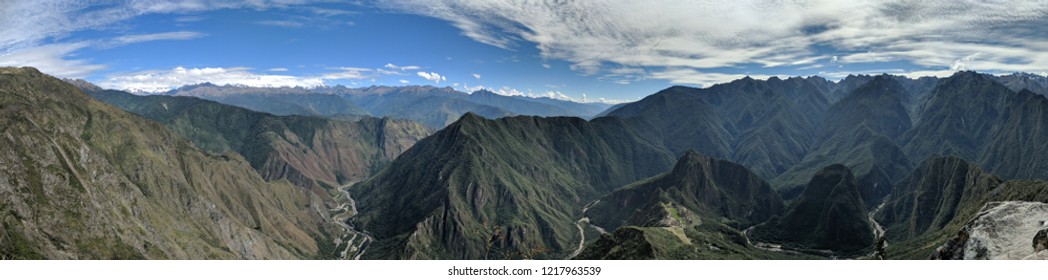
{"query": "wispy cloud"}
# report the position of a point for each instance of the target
(282, 23)
(187, 19)
(476, 76)
(53, 59)
(278, 69)
(59, 59)
(709, 38)
(33, 32)
(177, 35)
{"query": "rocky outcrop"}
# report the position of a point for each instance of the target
(1040, 240)
(1001, 230)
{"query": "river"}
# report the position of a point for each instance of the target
(346, 210)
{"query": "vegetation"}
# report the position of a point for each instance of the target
(84, 180)
(829, 215)
(308, 151)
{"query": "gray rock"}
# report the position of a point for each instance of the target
(1040, 240)
(1001, 230)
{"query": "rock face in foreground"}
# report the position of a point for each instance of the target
(1002, 230)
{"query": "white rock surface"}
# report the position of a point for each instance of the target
(1001, 230)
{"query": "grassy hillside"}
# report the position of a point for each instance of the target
(80, 179)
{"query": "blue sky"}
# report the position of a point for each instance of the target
(615, 50)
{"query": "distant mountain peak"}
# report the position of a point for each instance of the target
(83, 85)
(483, 92)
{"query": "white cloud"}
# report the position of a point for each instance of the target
(177, 35)
(53, 59)
(708, 36)
(60, 59)
(469, 89)
(477, 76)
(282, 23)
(347, 73)
(160, 81)
(164, 80)
(29, 23)
(432, 76)
(278, 69)
(545, 66)
(402, 68)
(404, 81)
(187, 19)
(553, 94)
(33, 33)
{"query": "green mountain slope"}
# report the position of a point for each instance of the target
(859, 132)
(974, 117)
(927, 207)
(493, 189)
(432, 106)
(829, 215)
(695, 211)
(309, 151)
(764, 125)
(80, 179)
(706, 186)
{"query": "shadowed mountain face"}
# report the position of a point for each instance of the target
(859, 131)
(1019, 81)
(80, 179)
(971, 116)
(520, 187)
(938, 198)
(694, 211)
(507, 188)
(783, 129)
(764, 125)
(706, 186)
(829, 215)
(308, 151)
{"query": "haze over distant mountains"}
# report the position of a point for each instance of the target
(433, 106)
(797, 168)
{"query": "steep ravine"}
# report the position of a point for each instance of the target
(582, 230)
(347, 208)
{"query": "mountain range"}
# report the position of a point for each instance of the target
(432, 106)
(786, 131)
(797, 168)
